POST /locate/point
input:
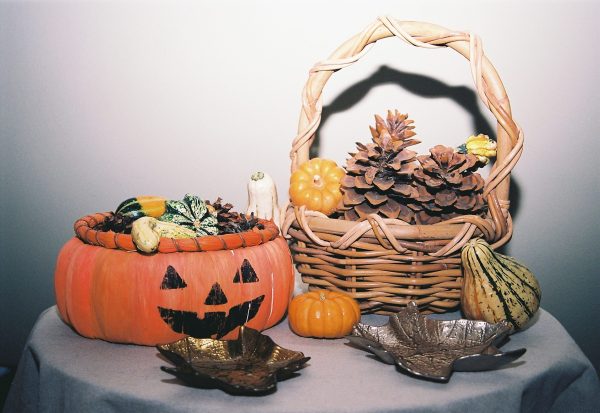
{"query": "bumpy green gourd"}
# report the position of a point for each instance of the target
(497, 287)
(191, 212)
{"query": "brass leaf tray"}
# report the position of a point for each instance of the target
(433, 349)
(250, 365)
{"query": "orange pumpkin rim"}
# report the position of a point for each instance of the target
(85, 230)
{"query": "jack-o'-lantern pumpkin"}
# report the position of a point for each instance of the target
(129, 297)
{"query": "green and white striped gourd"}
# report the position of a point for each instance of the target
(496, 287)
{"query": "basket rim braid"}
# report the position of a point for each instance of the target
(85, 230)
(386, 263)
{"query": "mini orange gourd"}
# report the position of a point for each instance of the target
(316, 184)
(323, 314)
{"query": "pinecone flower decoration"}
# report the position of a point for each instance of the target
(378, 176)
(447, 185)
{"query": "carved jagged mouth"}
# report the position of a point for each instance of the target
(214, 323)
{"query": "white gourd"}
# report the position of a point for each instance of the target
(262, 197)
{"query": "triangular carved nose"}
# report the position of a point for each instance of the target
(172, 280)
(216, 296)
(248, 275)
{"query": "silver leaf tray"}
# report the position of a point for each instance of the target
(433, 349)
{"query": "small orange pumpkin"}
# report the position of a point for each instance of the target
(316, 184)
(323, 314)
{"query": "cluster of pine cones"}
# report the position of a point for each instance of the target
(387, 178)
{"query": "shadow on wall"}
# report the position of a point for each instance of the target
(420, 85)
(417, 84)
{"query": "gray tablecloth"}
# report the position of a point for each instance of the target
(63, 372)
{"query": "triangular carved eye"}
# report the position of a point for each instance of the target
(216, 296)
(248, 275)
(172, 280)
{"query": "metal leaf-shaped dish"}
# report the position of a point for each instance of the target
(431, 348)
(251, 365)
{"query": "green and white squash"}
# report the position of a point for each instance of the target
(192, 213)
(496, 287)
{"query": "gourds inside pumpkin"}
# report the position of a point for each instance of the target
(128, 297)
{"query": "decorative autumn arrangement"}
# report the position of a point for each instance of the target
(323, 314)
(158, 270)
(396, 232)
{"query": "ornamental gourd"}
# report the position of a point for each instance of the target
(323, 314)
(193, 213)
(481, 146)
(497, 287)
(316, 184)
(128, 297)
(142, 206)
(262, 197)
(146, 233)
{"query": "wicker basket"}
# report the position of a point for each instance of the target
(386, 263)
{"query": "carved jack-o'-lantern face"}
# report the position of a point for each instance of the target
(160, 298)
(214, 323)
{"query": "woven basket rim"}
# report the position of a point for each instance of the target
(416, 232)
(85, 230)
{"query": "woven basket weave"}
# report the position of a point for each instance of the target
(386, 263)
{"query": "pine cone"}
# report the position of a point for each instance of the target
(118, 223)
(378, 176)
(229, 222)
(447, 186)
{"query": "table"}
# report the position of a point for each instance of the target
(61, 372)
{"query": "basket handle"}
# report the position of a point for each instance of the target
(489, 88)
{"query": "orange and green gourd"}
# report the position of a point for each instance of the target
(142, 206)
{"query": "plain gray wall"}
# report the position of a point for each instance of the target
(104, 100)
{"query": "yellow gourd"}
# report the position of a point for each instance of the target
(481, 146)
(146, 233)
(316, 184)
